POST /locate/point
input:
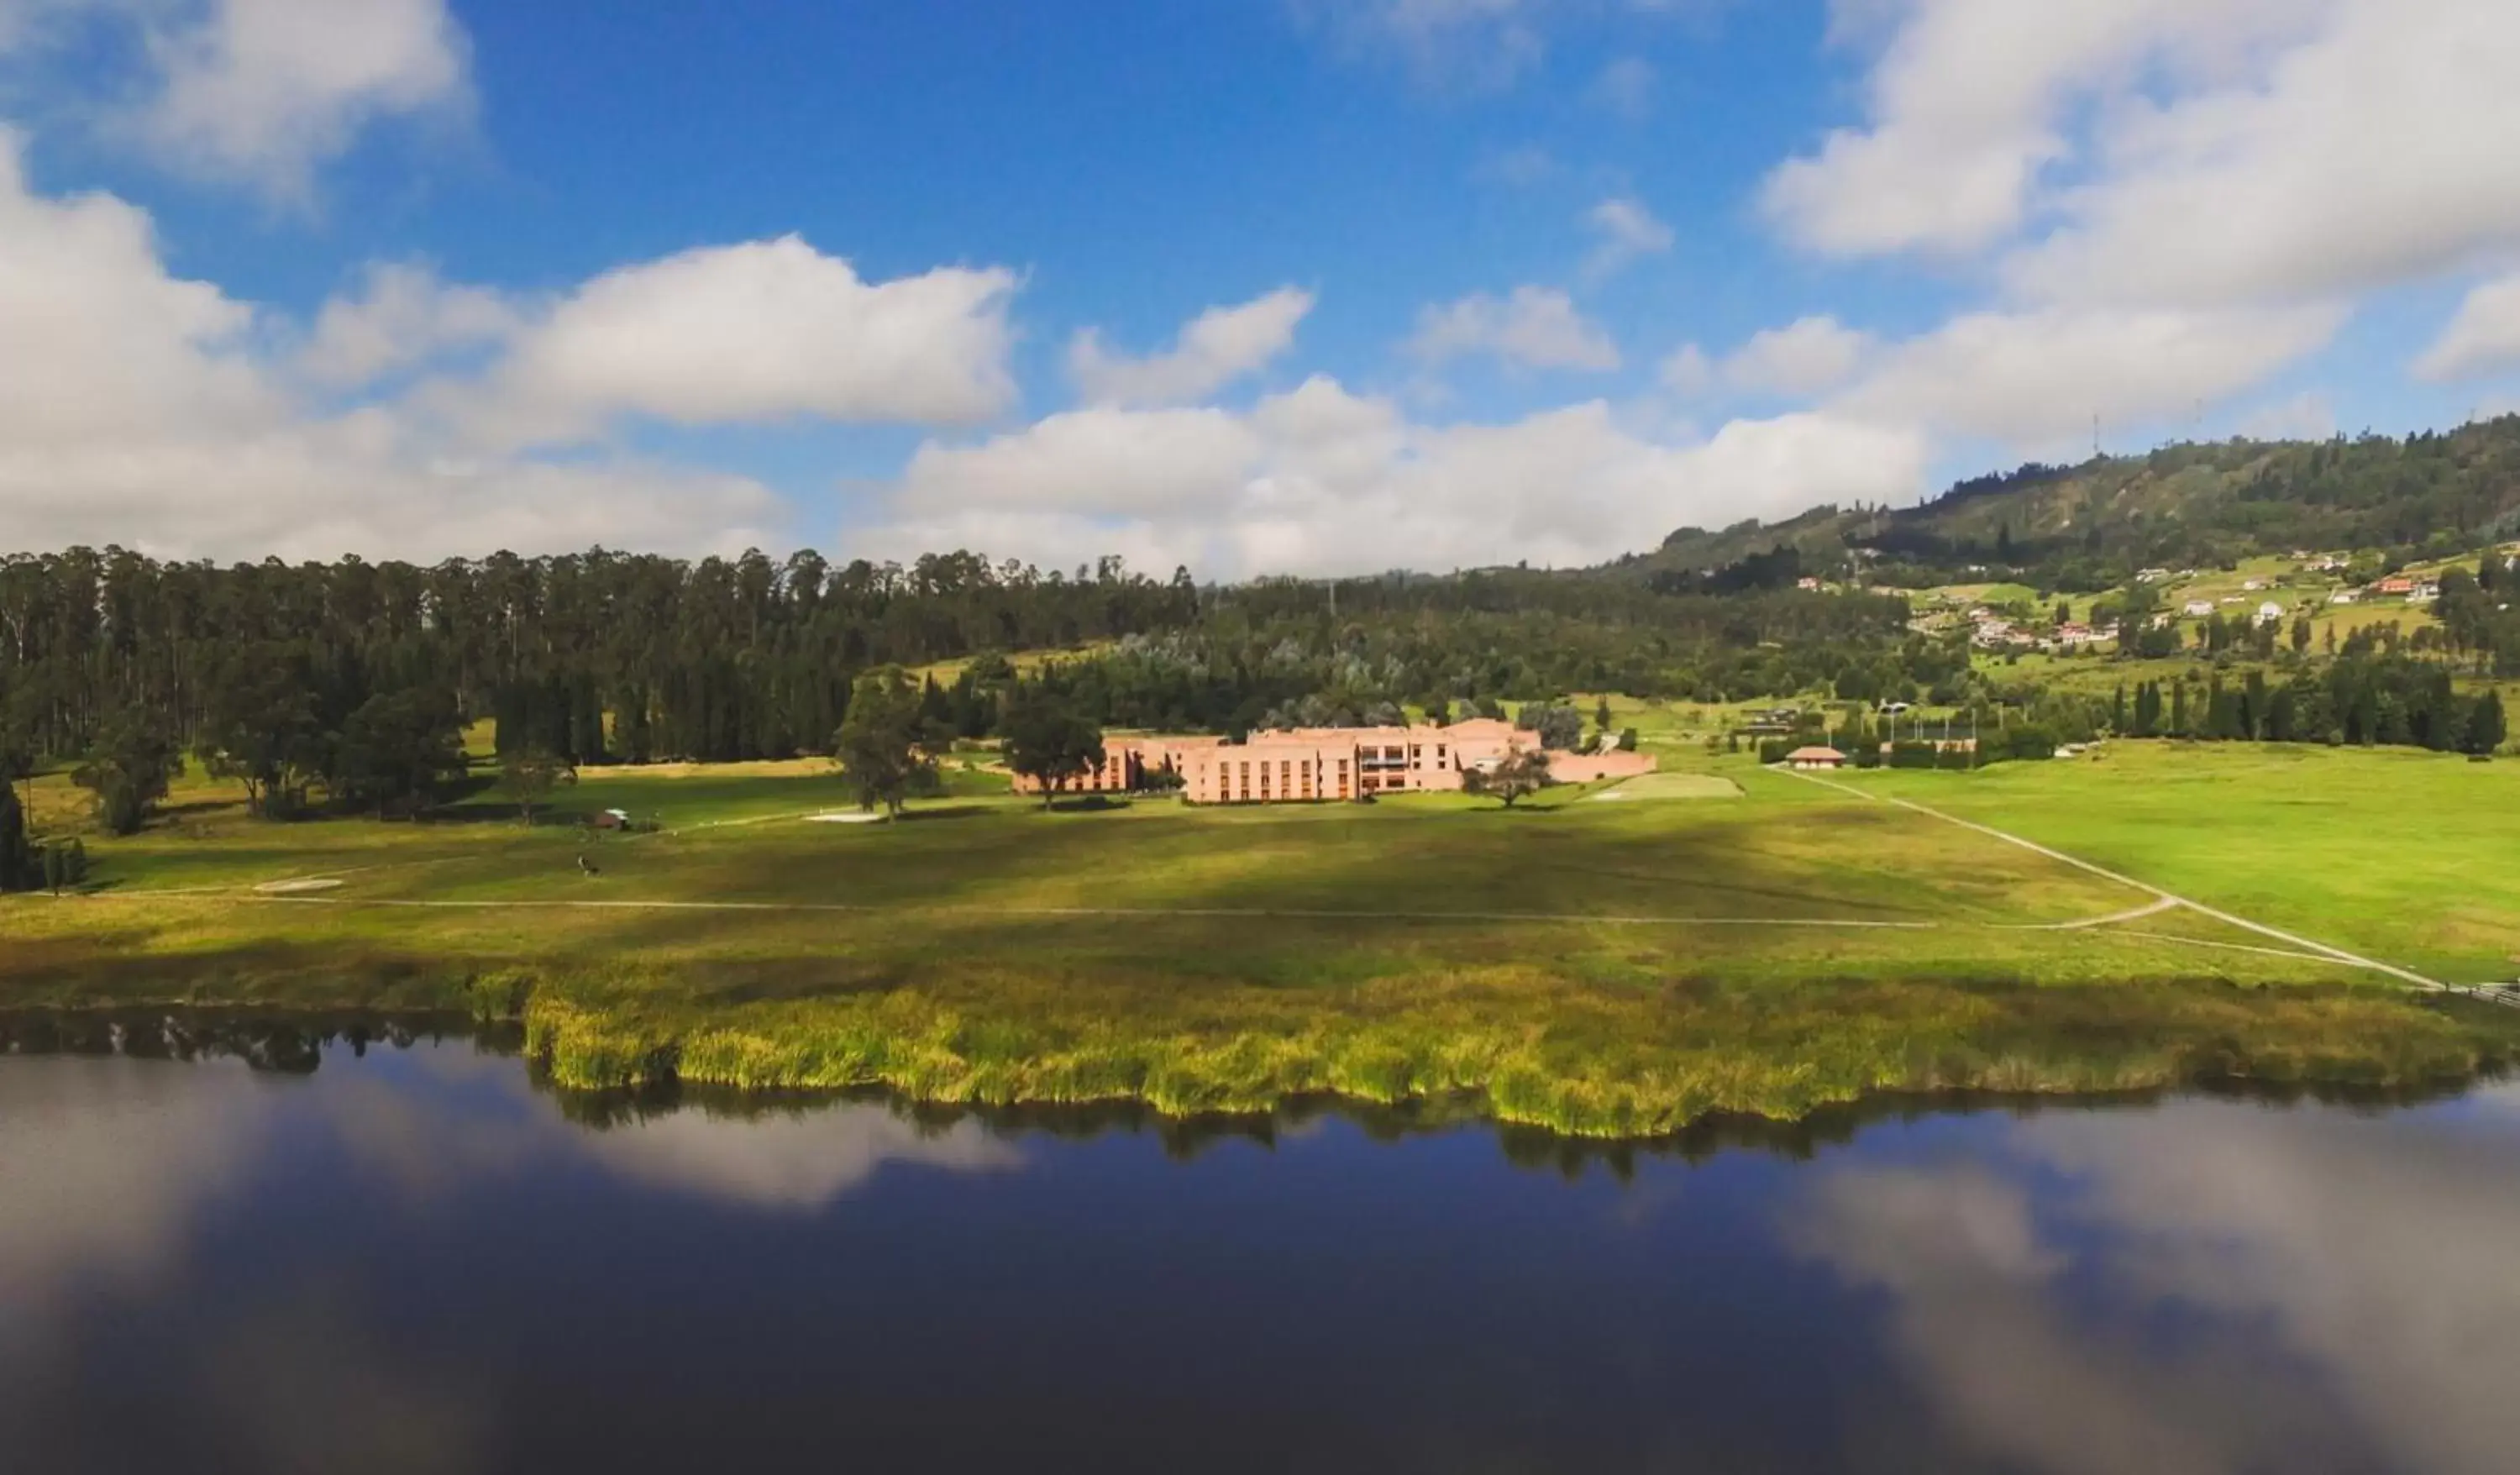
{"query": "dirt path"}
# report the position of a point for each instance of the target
(2171, 898)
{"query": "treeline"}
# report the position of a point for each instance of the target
(1293, 663)
(719, 658)
(2359, 700)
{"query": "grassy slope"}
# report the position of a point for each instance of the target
(942, 957)
(2402, 854)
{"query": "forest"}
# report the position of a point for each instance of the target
(356, 676)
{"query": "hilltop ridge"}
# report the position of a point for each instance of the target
(2090, 527)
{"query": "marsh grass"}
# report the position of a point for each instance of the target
(1537, 1049)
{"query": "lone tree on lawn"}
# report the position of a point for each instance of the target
(1050, 741)
(1519, 773)
(529, 775)
(877, 744)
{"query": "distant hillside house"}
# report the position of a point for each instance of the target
(2200, 609)
(2270, 614)
(1810, 759)
(2345, 597)
(2395, 584)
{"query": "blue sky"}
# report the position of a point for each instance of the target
(1253, 285)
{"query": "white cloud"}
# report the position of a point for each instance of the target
(1968, 105)
(1626, 87)
(2482, 339)
(2371, 153)
(266, 90)
(1320, 479)
(1806, 357)
(135, 408)
(1687, 372)
(2034, 379)
(402, 315)
(1628, 231)
(2174, 152)
(1532, 328)
(759, 332)
(1217, 348)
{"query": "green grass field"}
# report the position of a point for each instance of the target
(2401, 854)
(1722, 938)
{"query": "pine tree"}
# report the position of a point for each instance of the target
(18, 870)
(2484, 724)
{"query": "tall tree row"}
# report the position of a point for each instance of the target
(589, 658)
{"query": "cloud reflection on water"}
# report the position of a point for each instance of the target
(2204, 1288)
(103, 1163)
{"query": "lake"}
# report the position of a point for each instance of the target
(411, 1260)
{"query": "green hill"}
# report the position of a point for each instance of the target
(2093, 525)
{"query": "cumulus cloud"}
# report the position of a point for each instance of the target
(2369, 153)
(401, 315)
(265, 90)
(137, 407)
(2035, 378)
(1217, 348)
(1968, 104)
(1531, 327)
(1626, 232)
(2174, 153)
(2482, 339)
(1320, 479)
(753, 333)
(1804, 358)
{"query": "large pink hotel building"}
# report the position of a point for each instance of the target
(1317, 764)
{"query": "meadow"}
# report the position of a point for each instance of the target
(1620, 962)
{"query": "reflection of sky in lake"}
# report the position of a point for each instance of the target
(2201, 1287)
(414, 1261)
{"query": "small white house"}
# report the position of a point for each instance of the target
(2345, 597)
(2200, 609)
(2270, 614)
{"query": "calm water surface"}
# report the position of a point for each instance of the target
(416, 1262)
